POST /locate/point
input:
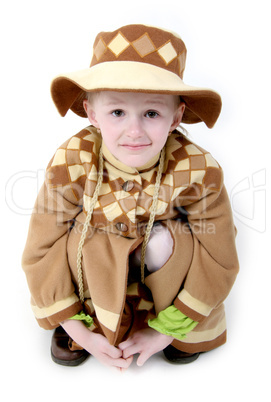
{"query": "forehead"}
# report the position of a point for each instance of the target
(110, 97)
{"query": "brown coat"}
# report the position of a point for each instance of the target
(193, 204)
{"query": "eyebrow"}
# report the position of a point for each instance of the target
(155, 101)
(119, 101)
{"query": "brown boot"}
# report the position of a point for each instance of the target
(176, 356)
(61, 349)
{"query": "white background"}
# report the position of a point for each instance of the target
(228, 50)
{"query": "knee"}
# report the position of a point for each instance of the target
(159, 248)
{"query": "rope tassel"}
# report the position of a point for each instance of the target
(153, 210)
(93, 202)
(85, 228)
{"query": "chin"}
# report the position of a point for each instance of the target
(134, 163)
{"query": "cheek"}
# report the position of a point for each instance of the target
(160, 136)
(110, 138)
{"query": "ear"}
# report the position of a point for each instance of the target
(178, 116)
(90, 113)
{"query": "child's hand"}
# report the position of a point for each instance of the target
(107, 354)
(146, 342)
(97, 345)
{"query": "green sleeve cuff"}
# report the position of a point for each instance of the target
(173, 322)
(87, 320)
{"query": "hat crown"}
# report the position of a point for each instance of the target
(146, 59)
(141, 43)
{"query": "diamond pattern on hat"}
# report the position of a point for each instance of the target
(167, 52)
(182, 59)
(118, 44)
(144, 45)
(100, 49)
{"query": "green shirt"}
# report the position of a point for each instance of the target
(171, 322)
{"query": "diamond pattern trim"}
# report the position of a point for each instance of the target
(168, 53)
(182, 59)
(100, 49)
(118, 44)
(189, 168)
(144, 45)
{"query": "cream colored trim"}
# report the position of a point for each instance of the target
(54, 308)
(90, 305)
(207, 335)
(121, 75)
(194, 304)
(107, 318)
(145, 305)
(132, 289)
(59, 158)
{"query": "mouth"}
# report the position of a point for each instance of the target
(135, 147)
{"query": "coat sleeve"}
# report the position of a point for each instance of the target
(45, 260)
(214, 264)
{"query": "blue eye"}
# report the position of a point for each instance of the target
(152, 114)
(118, 113)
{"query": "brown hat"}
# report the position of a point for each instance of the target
(136, 58)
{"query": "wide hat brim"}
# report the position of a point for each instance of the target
(68, 90)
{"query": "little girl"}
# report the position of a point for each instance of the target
(131, 245)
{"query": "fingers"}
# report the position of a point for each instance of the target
(119, 363)
(132, 347)
(146, 342)
(113, 352)
(129, 348)
(127, 364)
(143, 357)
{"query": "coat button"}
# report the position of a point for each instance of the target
(128, 185)
(121, 227)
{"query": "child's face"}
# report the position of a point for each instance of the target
(134, 126)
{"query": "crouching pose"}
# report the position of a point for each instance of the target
(131, 245)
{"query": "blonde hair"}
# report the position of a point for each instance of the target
(90, 96)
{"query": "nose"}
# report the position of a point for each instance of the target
(134, 127)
